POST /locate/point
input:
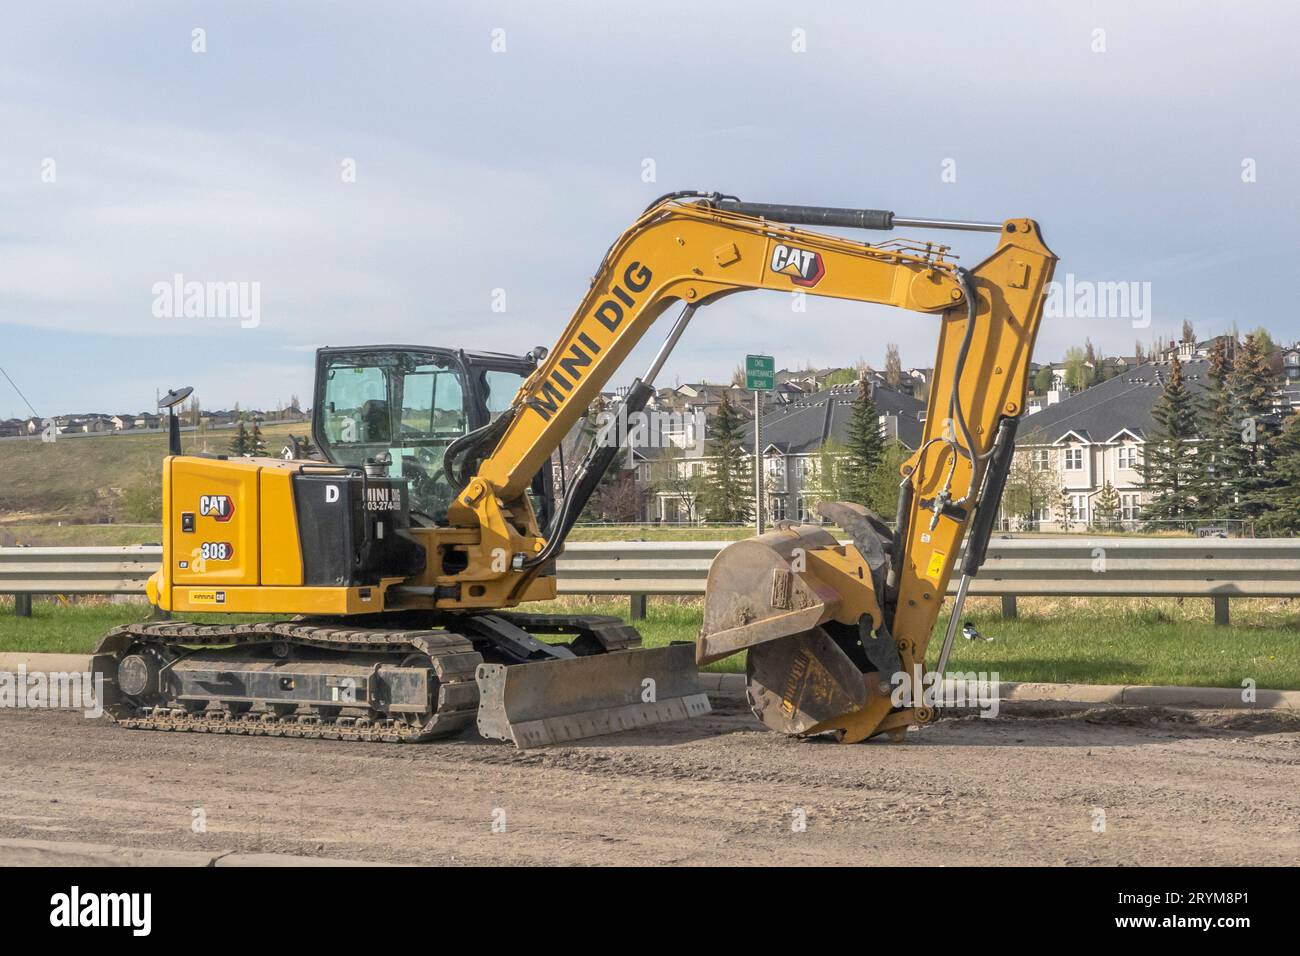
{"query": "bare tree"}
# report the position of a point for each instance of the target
(1029, 488)
(677, 480)
(893, 366)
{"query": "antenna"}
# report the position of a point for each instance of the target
(169, 402)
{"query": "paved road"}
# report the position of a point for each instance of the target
(1209, 787)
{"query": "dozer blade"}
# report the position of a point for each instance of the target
(551, 702)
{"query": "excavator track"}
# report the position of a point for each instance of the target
(451, 657)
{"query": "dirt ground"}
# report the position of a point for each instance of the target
(1175, 787)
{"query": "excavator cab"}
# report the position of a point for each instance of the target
(397, 408)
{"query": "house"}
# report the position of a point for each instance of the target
(96, 424)
(1190, 351)
(786, 392)
(1291, 365)
(793, 435)
(1060, 374)
(1086, 441)
(1036, 403)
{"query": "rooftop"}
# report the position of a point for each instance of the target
(804, 425)
(1100, 412)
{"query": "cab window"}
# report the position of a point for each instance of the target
(407, 405)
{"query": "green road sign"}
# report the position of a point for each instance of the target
(760, 372)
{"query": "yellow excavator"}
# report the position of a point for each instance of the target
(391, 574)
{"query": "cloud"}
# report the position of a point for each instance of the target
(478, 171)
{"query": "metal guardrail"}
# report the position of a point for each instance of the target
(1058, 567)
(1214, 568)
(121, 570)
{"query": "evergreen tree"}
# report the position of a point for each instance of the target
(1105, 507)
(240, 444)
(1281, 513)
(1254, 387)
(1065, 508)
(728, 488)
(1264, 341)
(1221, 451)
(1170, 466)
(256, 443)
(865, 446)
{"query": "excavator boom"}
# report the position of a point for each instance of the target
(827, 625)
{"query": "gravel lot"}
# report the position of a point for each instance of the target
(1028, 787)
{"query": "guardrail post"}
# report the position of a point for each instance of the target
(1221, 610)
(637, 610)
(22, 605)
(1008, 607)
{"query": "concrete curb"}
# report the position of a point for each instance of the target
(1215, 698)
(50, 663)
(53, 853)
(733, 685)
(726, 685)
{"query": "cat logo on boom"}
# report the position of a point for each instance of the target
(219, 507)
(803, 266)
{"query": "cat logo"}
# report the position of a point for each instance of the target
(219, 507)
(803, 266)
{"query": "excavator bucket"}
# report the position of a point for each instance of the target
(797, 683)
(551, 702)
(797, 601)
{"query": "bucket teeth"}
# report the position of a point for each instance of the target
(800, 682)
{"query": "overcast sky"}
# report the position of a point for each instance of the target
(478, 170)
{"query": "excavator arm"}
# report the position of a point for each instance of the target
(883, 591)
